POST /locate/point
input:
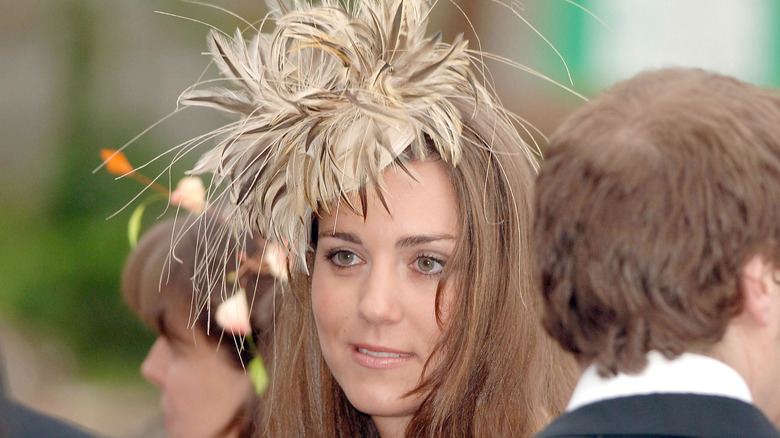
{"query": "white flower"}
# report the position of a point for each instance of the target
(233, 314)
(275, 261)
(190, 194)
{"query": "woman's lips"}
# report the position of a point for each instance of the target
(376, 357)
(382, 353)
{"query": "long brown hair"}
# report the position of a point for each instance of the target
(499, 375)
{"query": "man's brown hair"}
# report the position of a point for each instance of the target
(650, 200)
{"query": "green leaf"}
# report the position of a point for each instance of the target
(258, 375)
(134, 225)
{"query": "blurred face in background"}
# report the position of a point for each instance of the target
(374, 286)
(202, 388)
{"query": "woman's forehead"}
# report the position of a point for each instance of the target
(392, 181)
(425, 203)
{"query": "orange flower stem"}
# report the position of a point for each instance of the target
(148, 182)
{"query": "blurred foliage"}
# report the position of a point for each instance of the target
(61, 279)
(61, 259)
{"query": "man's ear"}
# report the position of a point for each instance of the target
(758, 285)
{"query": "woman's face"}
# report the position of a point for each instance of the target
(374, 287)
(202, 389)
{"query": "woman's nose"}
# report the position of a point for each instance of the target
(379, 300)
(155, 366)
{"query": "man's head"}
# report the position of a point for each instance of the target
(652, 200)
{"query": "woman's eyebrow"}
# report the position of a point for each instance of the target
(348, 237)
(409, 241)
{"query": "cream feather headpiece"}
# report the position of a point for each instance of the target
(326, 103)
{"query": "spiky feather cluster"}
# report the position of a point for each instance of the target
(327, 101)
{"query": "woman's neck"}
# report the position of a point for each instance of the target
(391, 427)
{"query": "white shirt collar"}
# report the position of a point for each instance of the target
(687, 374)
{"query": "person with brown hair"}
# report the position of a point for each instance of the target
(201, 358)
(402, 189)
(657, 245)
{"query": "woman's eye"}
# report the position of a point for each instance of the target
(344, 258)
(428, 265)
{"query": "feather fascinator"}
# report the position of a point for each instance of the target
(325, 103)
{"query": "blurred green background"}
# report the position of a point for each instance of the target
(80, 75)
